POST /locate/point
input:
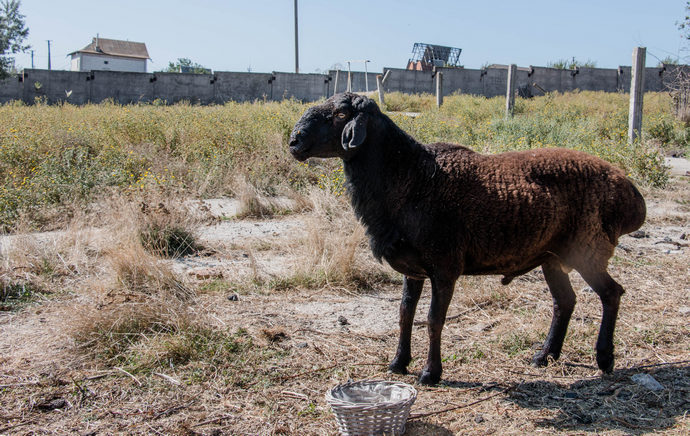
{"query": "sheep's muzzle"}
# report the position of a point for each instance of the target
(297, 149)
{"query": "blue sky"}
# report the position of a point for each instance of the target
(235, 35)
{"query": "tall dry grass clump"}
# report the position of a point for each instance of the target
(163, 225)
(144, 317)
(139, 273)
(253, 203)
(334, 251)
(35, 265)
(139, 297)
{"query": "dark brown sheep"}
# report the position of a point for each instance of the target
(439, 211)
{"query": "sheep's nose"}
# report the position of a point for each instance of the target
(294, 144)
(295, 138)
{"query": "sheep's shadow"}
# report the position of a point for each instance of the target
(610, 402)
(419, 428)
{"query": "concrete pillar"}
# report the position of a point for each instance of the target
(636, 94)
(379, 86)
(439, 89)
(510, 90)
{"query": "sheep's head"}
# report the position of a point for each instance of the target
(335, 128)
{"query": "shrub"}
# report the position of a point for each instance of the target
(168, 241)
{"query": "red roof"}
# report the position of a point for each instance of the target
(115, 47)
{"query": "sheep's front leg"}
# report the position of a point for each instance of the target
(441, 294)
(412, 289)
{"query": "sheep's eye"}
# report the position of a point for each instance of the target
(341, 116)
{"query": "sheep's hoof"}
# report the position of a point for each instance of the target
(429, 379)
(397, 368)
(541, 359)
(605, 362)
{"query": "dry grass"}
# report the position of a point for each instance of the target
(335, 247)
(138, 297)
(255, 204)
(135, 348)
(332, 252)
(36, 265)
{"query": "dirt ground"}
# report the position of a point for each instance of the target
(300, 341)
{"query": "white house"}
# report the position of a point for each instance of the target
(111, 55)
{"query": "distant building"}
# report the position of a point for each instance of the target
(427, 56)
(111, 55)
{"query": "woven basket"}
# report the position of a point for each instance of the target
(371, 407)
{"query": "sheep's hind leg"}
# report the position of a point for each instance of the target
(563, 304)
(441, 294)
(412, 289)
(609, 292)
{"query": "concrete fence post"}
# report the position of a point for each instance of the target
(439, 89)
(510, 90)
(335, 85)
(385, 76)
(379, 86)
(636, 93)
(366, 77)
(349, 77)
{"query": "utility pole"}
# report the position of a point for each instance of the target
(32, 59)
(296, 42)
(48, 54)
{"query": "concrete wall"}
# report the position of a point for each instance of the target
(408, 81)
(590, 79)
(654, 79)
(242, 86)
(54, 86)
(463, 81)
(129, 87)
(10, 89)
(305, 87)
(122, 87)
(176, 87)
(126, 87)
(494, 82)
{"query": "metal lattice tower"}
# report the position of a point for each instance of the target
(427, 56)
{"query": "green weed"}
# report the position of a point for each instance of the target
(516, 343)
(59, 155)
(15, 295)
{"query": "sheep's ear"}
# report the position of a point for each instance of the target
(354, 132)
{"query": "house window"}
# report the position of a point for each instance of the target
(105, 62)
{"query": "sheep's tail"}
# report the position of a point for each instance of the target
(635, 211)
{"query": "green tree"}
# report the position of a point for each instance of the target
(668, 60)
(13, 32)
(185, 65)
